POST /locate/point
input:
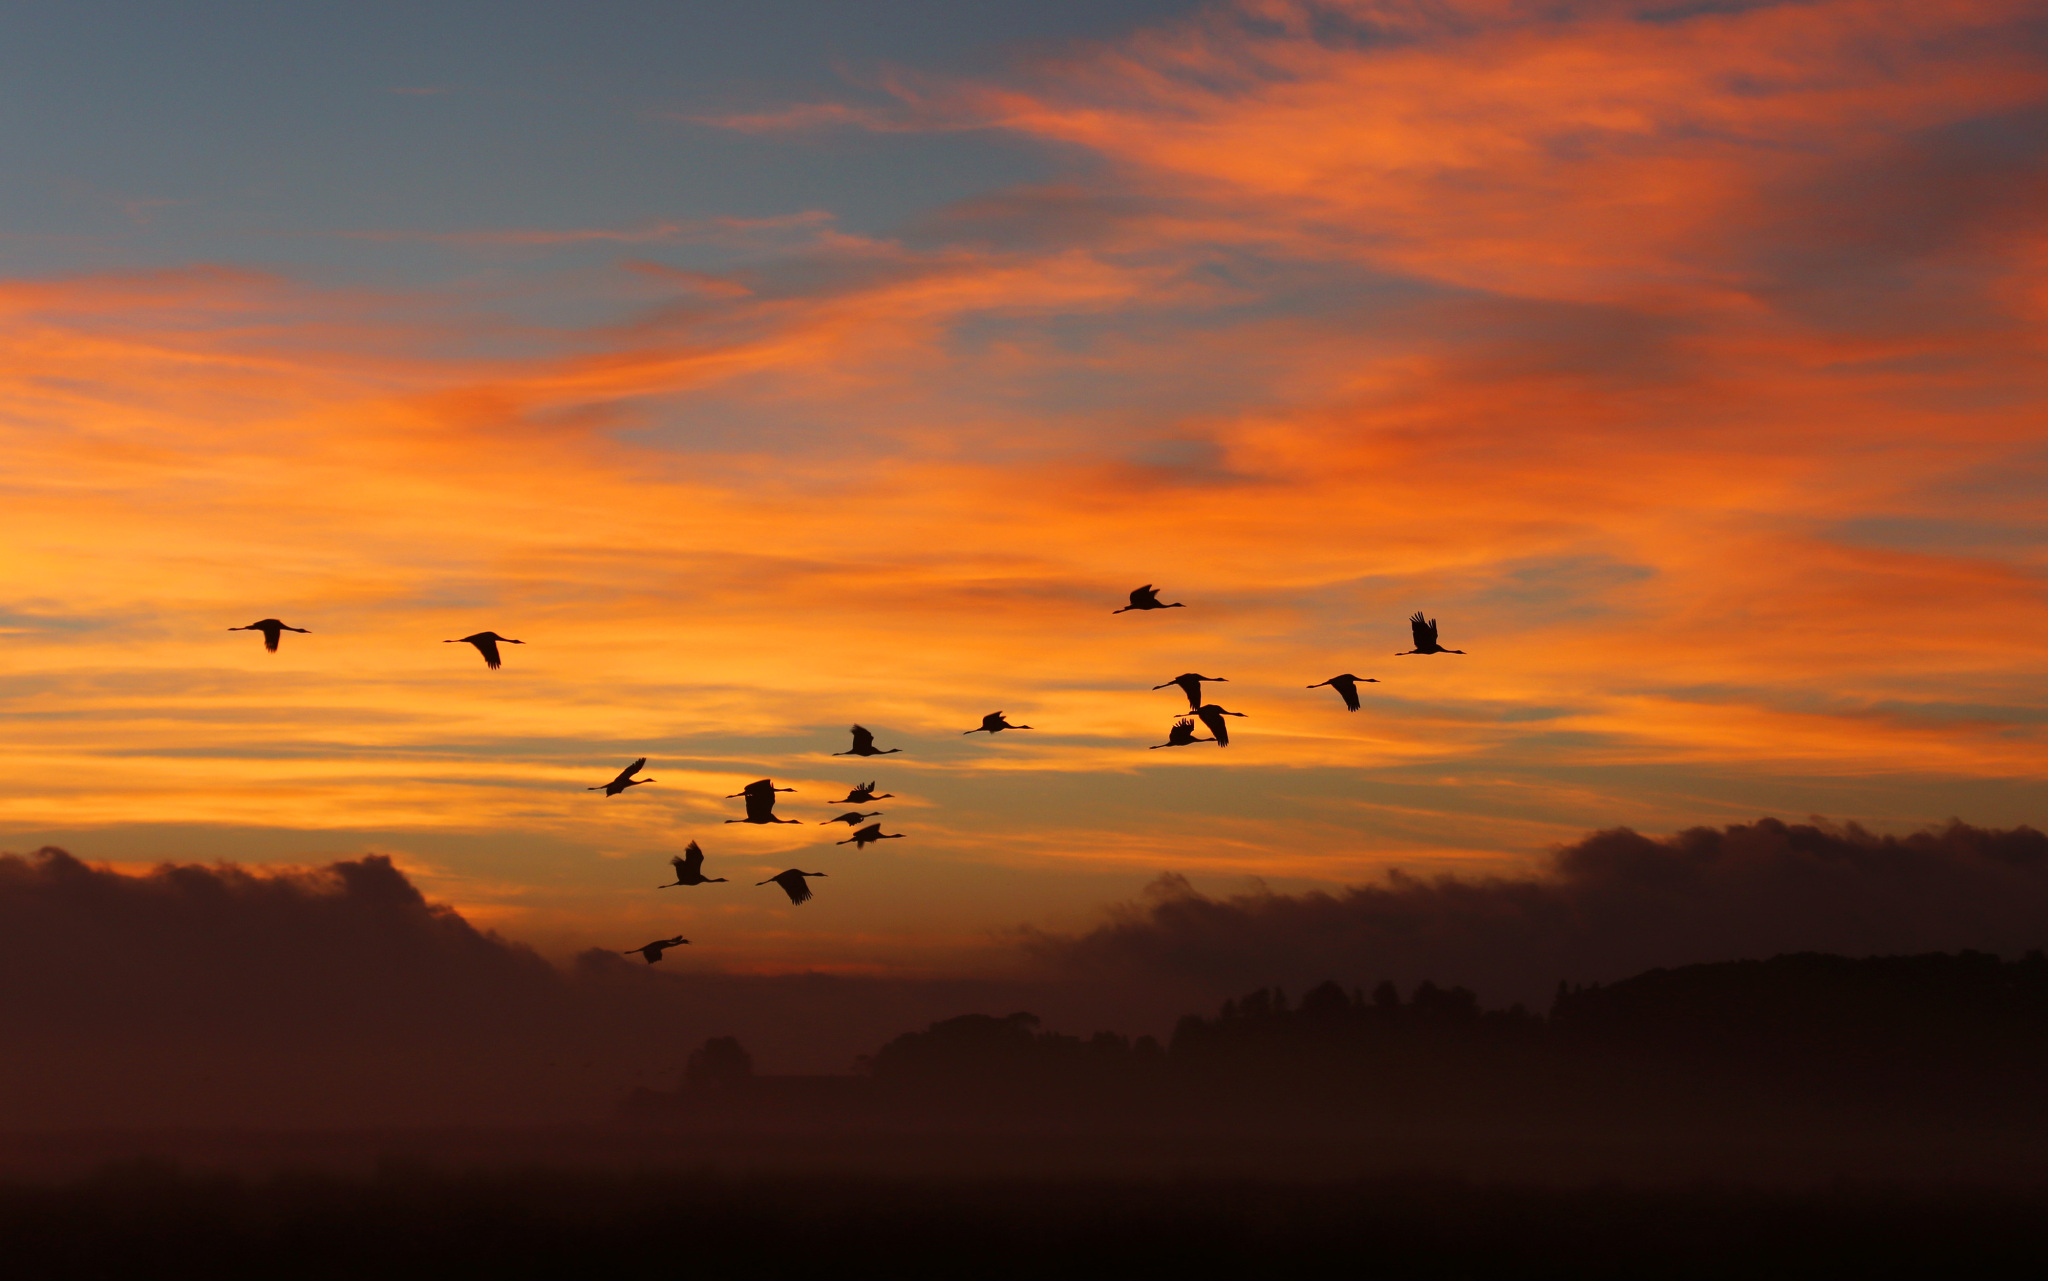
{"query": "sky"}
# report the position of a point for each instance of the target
(772, 367)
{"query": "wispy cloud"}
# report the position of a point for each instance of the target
(698, 231)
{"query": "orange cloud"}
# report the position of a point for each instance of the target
(1625, 347)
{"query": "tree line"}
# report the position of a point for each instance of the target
(1803, 1038)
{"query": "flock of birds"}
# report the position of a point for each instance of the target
(759, 795)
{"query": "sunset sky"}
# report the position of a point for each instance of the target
(771, 366)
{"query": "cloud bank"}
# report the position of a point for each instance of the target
(1607, 906)
(340, 995)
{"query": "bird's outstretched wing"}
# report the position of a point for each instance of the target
(760, 805)
(794, 885)
(627, 773)
(488, 647)
(863, 738)
(1424, 629)
(1212, 716)
(1182, 734)
(1348, 691)
(692, 860)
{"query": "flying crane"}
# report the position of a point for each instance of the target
(864, 744)
(1146, 597)
(793, 884)
(690, 869)
(624, 780)
(486, 644)
(1346, 687)
(271, 630)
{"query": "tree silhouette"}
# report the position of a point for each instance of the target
(718, 1064)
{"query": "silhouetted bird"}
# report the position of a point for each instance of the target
(1212, 716)
(653, 951)
(1191, 684)
(792, 883)
(1146, 597)
(1182, 734)
(624, 780)
(849, 818)
(760, 796)
(486, 644)
(271, 630)
(864, 744)
(869, 835)
(993, 723)
(1425, 637)
(861, 794)
(1346, 687)
(690, 869)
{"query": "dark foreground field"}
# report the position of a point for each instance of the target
(1805, 1115)
(564, 1204)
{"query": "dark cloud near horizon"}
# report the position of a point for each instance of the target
(1610, 905)
(221, 995)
